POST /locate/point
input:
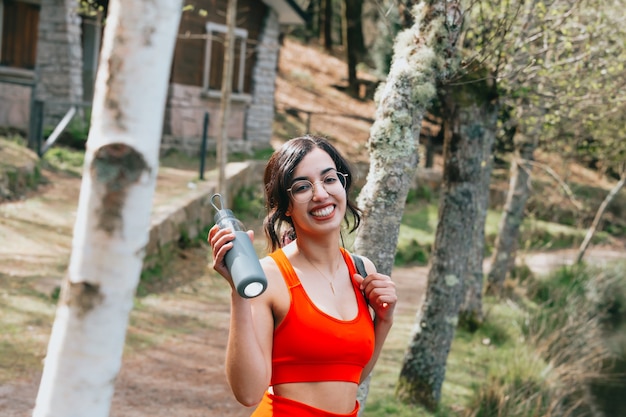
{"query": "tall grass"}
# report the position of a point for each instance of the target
(564, 351)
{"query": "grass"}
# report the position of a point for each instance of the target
(419, 224)
(473, 358)
(24, 327)
(533, 357)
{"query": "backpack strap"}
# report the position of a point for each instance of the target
(360, 266)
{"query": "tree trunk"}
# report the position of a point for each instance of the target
(326, 24)
(596, 220)
(503, 257)
(227, 79)
(312, 25)
(429, 154)
(353, 41)
(420, 56)
(480, 103)
(424, 366)
(113, 215)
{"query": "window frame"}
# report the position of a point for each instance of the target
(10, 71)
(241, 35)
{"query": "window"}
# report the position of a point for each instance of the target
(214, 57)
(19, 21)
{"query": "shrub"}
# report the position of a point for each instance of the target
(412, 252)
(567, 331)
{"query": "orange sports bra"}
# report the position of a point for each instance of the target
(310, 345)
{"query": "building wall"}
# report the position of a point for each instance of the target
(59, 59)
(184, 120)
(250, 121)
(60, 67)
(260, 115)
(14, 106)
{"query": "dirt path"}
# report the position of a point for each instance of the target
(184, 375)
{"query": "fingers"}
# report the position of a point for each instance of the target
(221, 242)
(359, 280)
(380, 290)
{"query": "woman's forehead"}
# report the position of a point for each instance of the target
(314, 163)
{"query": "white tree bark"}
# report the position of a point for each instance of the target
(113, 218)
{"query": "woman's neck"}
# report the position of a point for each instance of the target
(319, 252)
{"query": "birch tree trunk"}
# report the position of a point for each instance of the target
(420, 59)
(503, 257)
(113, 218)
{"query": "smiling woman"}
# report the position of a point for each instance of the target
(304, 345)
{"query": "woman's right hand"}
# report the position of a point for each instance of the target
(221, 242)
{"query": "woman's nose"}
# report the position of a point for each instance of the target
(317, 187)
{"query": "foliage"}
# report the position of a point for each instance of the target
(558, 64)
(65, 159)
(92, 7)
(419, 222)
(75, 133)
(249, 203)
(558, 350)
(568, 329)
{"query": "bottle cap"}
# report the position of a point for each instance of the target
(253, 289)
(221, 212)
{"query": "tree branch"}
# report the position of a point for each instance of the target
(556, 177)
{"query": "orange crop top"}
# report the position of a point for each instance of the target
(310, 345)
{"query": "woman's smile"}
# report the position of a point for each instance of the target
(324, 211)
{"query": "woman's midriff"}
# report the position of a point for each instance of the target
(334, 396)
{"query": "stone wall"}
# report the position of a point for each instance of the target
(191, 214)
(184, 119)
(14, 106)
(260, 114)
(59, 59)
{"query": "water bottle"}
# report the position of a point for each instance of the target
(241, 260)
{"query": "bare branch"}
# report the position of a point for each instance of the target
(557, 178)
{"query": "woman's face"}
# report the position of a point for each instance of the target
(325, 210)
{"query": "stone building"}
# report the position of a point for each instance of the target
(49, 52)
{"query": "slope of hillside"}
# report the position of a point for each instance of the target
(310, 92)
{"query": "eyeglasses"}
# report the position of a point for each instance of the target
(302, 190)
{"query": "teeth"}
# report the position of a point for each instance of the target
(323, 212)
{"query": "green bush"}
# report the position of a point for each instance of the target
(248, 203)
(65, 159)
(412, 253)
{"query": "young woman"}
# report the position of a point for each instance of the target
(303, 346)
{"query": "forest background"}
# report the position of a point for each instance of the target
(538, 382)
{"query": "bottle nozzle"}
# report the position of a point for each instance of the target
(220, 199)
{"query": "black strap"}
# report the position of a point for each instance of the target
(360, 266)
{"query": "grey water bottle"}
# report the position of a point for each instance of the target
(241, 260)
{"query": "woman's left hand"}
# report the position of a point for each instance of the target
(380, 292)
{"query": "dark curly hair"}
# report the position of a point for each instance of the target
(278, 177)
